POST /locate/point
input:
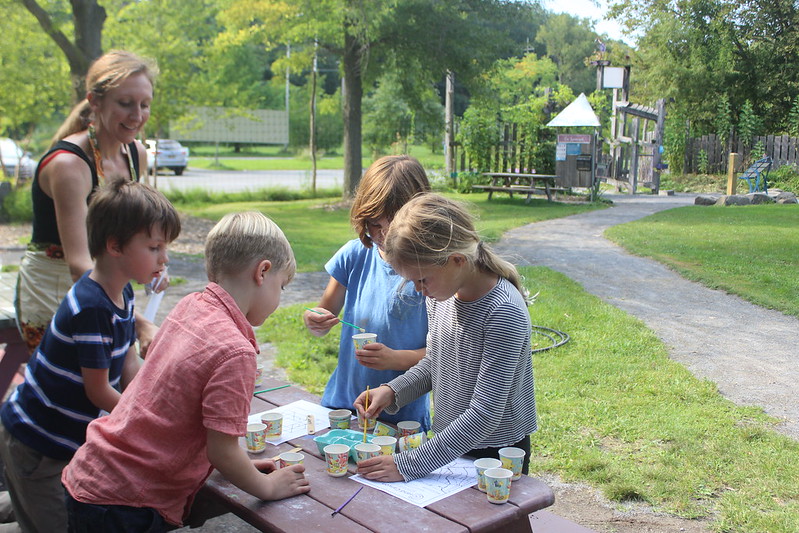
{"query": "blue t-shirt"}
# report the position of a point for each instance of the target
(49, 411)
(378, 300)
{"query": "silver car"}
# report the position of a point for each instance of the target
(167, 154)
(13, 156)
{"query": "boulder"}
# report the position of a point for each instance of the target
(704, 199)
(786, 197)
(734, 199)
(760, 198)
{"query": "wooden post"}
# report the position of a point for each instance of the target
(449, 126)
(731, 180)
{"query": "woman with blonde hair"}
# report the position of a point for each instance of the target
(478, 362)
(95, 144)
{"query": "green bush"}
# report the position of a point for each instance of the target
(786, 178)
(17, 206)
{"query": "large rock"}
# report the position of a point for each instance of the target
(786, 197)
(705, 199)
(734, 199)
(760, 198)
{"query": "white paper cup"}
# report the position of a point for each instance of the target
(382, 429)
(387, 444)
(274, 425)
(256, 435)
(512, 459)
(411, 442)
(481, 465)
(259, 375)
(408, 427)
(340, 418)
(362, 339)
(366, 450)
(336, 457)
(498, 484)
(290, 458)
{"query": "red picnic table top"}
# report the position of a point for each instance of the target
(372, 510)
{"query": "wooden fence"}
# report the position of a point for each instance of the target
(708, 151)
(514, 151)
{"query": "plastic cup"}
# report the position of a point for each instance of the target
(256, 435)
(498, 484)
(362, 339)
(411, 442)
(408, 427)
(290, 458)
(274, 425)
(259, 375)
(387, 444)
(366, 450)
(336, 457)
(512, 459)
(481, 465)
(382, 429)
(340, 418)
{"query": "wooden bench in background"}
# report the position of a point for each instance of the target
(528, 184)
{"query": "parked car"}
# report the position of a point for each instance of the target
(168, 154)
(13, 156)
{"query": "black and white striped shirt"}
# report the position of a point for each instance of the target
(479, 367)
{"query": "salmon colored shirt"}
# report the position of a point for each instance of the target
(151, 450)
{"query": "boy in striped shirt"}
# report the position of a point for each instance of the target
(87, 355)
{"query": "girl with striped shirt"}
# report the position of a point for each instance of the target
(478, 363)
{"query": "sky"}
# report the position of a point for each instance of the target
(590, 10)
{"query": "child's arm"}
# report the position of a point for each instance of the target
(329, 306)
(380, 357)
(130, 367)
(379, 399)
(232, 461)
(98, 390)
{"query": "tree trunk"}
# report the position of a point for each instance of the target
(88, 17)
(353, 94)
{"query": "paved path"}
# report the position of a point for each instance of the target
(748, 351)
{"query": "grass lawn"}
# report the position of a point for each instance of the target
(616, 412)
(750, 251)
(317, 228)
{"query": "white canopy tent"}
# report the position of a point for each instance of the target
(577, 114)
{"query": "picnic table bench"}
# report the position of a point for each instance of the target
(467, 511)
(511, 182)
(756, 176)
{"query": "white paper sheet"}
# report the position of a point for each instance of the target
(295, 419)
(458, 475)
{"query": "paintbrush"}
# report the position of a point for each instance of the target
(340, 507)
(342, 321)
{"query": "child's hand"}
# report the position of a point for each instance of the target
(380, 468)
(319, 324)
(379, 399)
(287, 482)
(378, 356)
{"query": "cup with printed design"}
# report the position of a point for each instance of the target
(256, 438)
(512, 459)
(498, 484)
(382, 429)
(366, 450)
(362, 339)
(259, 375)
(387, 444)
(290, 458)
(340, 418)
(411, 442)
(481, 465)
(370, 422)
(274, 424)
(408, 427)
(336, 458)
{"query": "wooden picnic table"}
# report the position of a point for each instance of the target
(511, 182)
(467, 511)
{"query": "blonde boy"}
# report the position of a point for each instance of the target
(185, 411)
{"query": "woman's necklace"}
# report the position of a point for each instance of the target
(98, 159)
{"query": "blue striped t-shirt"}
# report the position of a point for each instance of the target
(49, 411)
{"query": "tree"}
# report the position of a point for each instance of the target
(569, 41)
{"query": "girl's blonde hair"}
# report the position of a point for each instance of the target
(106, 73)
(430, 228)
(240, 239)
(385, 187)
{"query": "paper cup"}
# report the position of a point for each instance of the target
(498, 484)
(336, 457)
(274, 425)
(362, 339)
(512, 459)
(366, 450)
(408, 427)
(387, 444)
(370, 422)
(481, 465)
(259, 375)
(290, 458)
(411, 442)
(382, 429)
(340, 418)
(256, 435)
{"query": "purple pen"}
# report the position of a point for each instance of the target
(340, 507)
